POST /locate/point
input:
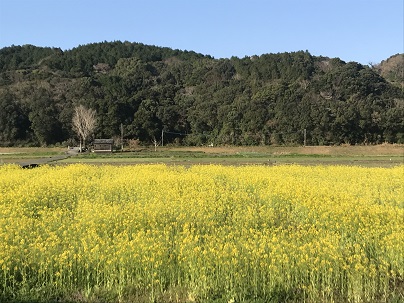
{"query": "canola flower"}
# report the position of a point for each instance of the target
(321, 233)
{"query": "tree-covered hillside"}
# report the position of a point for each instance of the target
(392, 69)
(194, 98)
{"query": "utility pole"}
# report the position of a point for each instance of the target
(121, 137)
(162, 138)
(304, 137)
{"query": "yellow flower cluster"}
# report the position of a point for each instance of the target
(321, 233)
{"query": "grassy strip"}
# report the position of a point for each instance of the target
(383, 161)
(386, 156)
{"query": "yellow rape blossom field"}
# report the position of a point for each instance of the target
(205, 233)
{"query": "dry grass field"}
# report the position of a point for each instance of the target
(355, 150)
(347, 150)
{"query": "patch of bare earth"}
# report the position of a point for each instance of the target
(370, 150)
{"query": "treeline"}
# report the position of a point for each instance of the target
(196, 99)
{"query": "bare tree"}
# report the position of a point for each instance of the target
(84, 122)
(156, 143)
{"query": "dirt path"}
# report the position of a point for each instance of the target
(34, 162)
(37, 161)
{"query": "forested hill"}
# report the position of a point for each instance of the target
(196, 99)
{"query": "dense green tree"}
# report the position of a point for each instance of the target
(13, 122)
(266, 99)
(44, 119)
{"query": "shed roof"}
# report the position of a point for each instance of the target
(103, 141)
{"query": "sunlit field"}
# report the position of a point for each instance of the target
(205, 233)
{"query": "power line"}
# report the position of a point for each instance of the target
(174, 133)
(168, 132)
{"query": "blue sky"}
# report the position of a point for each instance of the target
(353, 30)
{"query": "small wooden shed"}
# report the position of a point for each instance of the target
(103, 145)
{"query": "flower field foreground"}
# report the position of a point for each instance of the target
(155, 233)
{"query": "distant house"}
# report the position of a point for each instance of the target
(103, 145)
